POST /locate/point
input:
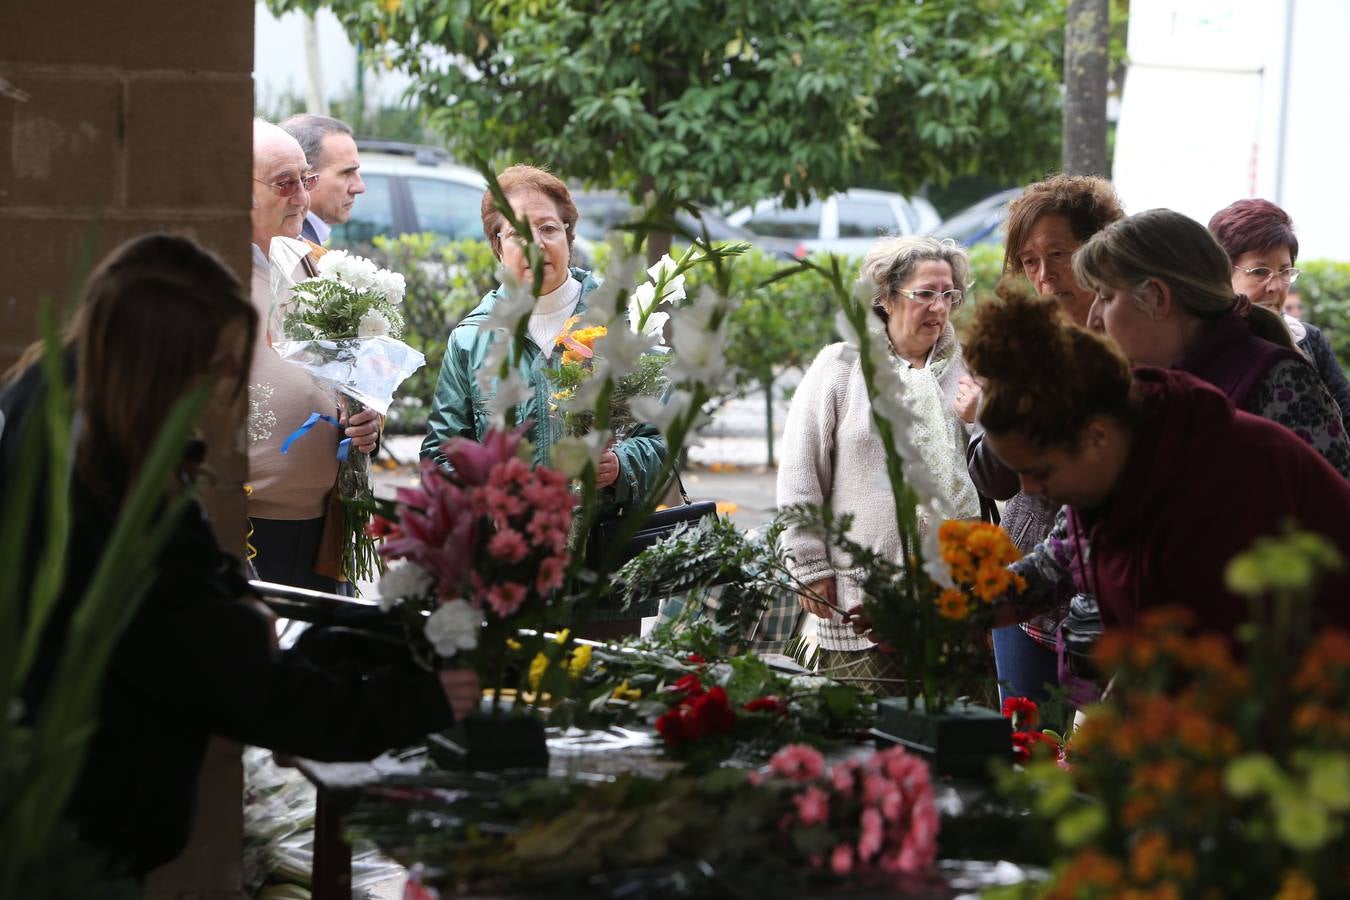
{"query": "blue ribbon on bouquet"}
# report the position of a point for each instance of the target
(344, 445)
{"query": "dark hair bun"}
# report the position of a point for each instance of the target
(1045, 378)
(1018, 338)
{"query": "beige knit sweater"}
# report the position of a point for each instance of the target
(281, 397)
(832, 456)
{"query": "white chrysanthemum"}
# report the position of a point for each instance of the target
(372, 324)
(331, 263)
(391, 285)
(453, 627)
(403, 581)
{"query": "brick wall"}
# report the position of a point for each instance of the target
(117, 119)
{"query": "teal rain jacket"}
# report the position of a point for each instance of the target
(459, 408)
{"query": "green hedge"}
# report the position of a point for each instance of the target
(1325, 286)
(445, 282)
(782, 325)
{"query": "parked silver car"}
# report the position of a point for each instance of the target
(411, 189)
(848, 223)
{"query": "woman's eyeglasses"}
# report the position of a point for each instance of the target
(951, 298)
(1288, 274)
(288, 186)
(544, 233)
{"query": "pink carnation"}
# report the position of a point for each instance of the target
(875, 788)
(842, 778)
(798, 762)
(871, 827)
(551, 571)
(841, 860)
(508, 546)
(813, 806)
(506, 598)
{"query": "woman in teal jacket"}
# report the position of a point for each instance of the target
(628, 470)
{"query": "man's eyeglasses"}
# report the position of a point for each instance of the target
(951, 298)
(288, 186)
(544, 232)
(1288, 274)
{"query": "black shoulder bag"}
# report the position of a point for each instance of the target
(659, 525)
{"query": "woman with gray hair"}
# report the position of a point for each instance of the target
(832, 457)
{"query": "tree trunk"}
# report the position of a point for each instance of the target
(768, 419)
(316, 100)
(1086, 37)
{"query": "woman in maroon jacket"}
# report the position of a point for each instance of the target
(1165, 480)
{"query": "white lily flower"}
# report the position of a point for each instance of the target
(698, 355)
(511, 391)
(403, 581)
(661, 415)
(620, 275)
(454, 626)
(640, 306)
(622, 349)
(673, 289)
(570, 456)
(933, 564)
(587, 395)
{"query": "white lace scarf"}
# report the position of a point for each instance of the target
(937, 434)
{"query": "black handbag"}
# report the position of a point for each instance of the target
(659, 525)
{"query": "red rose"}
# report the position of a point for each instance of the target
(677, 727)
(767, 704)
(689, 685)
(1022, 710)
(695, 658)
(1025, 743)
(712, 713)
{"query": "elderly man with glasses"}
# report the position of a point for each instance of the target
(293, 510)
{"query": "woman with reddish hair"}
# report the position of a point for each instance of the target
(1260, 241)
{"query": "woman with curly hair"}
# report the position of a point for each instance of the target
(1046, 225)
(1148, 462)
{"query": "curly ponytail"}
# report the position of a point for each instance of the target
(1045, 378)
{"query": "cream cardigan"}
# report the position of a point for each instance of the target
(831, 455)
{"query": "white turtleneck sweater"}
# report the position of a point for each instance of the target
(551, 312)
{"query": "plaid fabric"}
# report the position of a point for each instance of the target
(778, 624)
(871, 669)
(1044, 630)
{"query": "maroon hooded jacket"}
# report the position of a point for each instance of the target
(1203, 481)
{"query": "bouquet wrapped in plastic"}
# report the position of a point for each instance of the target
(342, 326)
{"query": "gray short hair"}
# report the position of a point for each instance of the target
(310, 130)
(892, 261)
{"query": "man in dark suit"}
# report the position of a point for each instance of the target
(331, 153)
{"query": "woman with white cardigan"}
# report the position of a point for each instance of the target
(831, 455)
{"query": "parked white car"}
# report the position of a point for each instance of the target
(847, 223)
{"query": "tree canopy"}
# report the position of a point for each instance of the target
(729, 101)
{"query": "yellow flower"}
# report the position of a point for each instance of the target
(1296, 886)
(567, 329)
(563, 636)
(624, 692)
(952, 604)
(512, 644)
(538, 666)
(581, 658)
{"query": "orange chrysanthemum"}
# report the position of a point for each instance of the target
(952, 604)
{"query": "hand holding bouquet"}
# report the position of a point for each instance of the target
(342, 326)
